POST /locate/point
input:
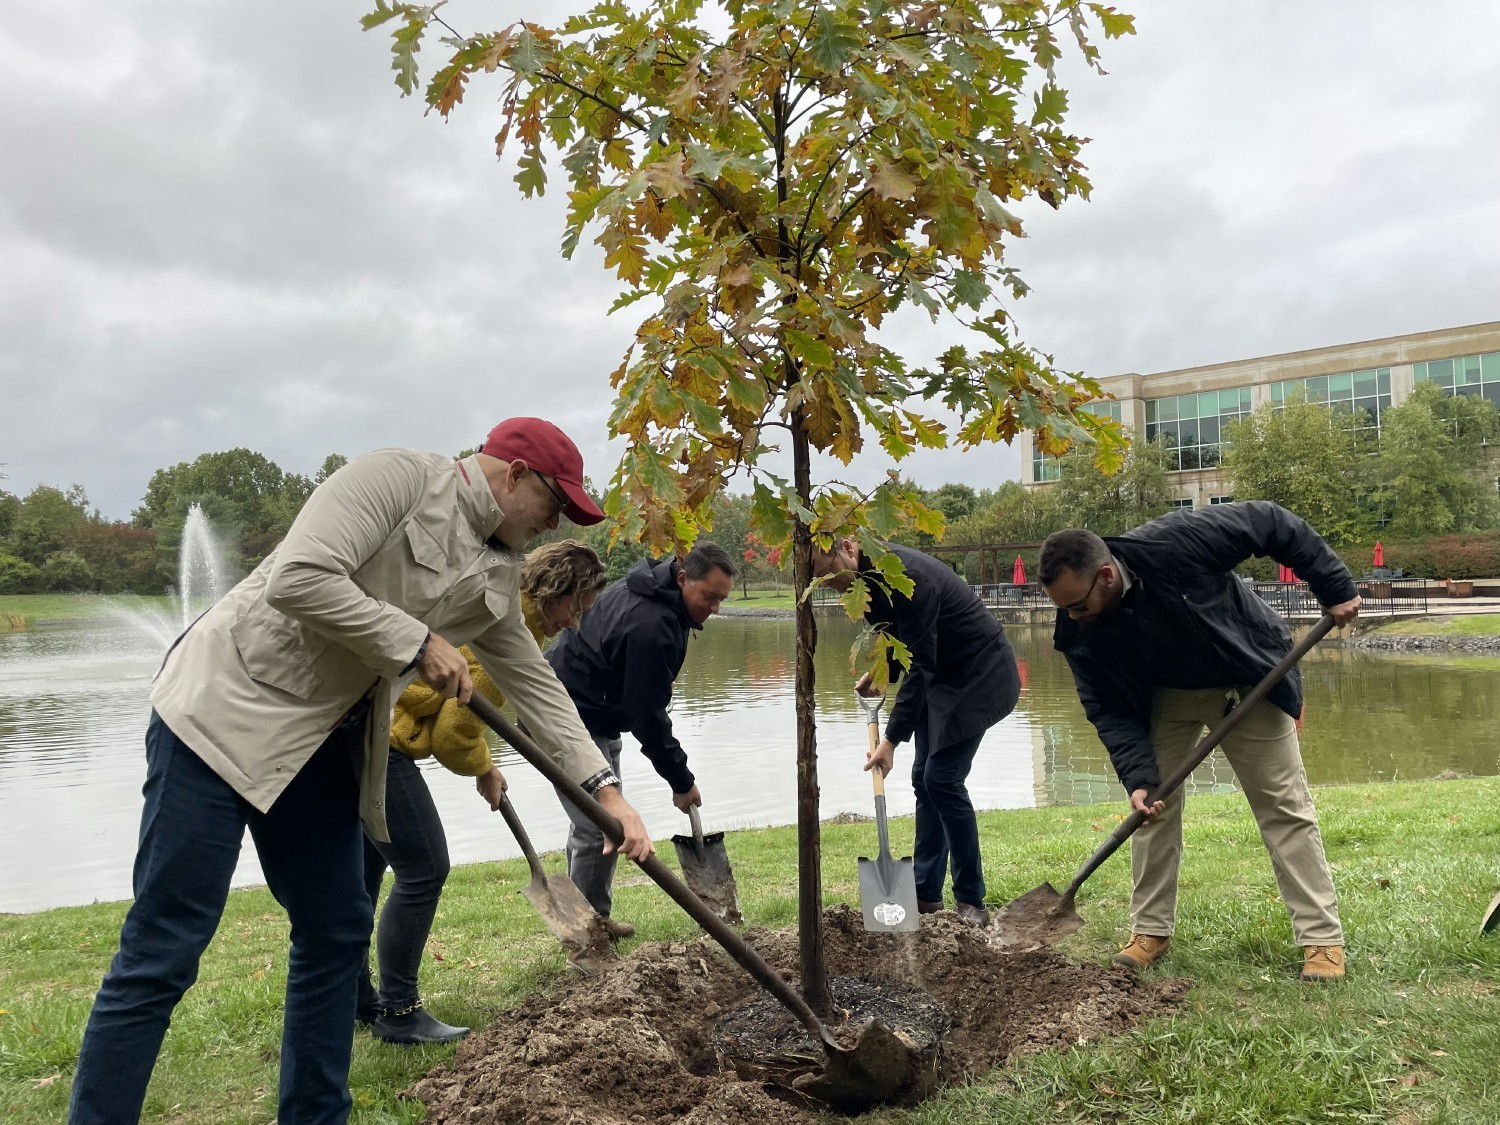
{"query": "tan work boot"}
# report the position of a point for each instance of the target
(1142, 950)
(1321, 963)
(618, 930)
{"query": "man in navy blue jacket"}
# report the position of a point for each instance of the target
(1163, 639)
(962, 681)
(619, 666)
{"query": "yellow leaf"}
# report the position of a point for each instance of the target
(668, 178)
(890, 182)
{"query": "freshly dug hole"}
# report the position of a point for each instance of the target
(638, 1044)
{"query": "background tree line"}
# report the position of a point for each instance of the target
(1426, 486)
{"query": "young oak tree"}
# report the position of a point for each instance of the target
(775, 180)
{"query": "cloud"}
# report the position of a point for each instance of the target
(220, 226)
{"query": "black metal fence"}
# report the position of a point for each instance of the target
(1027, 594)
(1379, 597)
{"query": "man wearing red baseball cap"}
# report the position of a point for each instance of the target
(543, 448)
(273, 713)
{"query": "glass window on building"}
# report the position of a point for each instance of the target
(1044, 468)
(1362, 394)
(1188, 503)
(1463, 375)
(1192, 426)
(1221, 499)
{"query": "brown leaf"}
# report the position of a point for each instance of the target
(43, 1083)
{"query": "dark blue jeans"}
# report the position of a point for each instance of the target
(418, 854)
(947, 830)
(309, 846)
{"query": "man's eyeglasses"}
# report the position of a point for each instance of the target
(562, 501)
(1082, 604)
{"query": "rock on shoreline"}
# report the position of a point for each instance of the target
(1409, 642)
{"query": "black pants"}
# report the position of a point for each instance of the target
(191, 828)
(418, 854)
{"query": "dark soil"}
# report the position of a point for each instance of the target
(652, 1039)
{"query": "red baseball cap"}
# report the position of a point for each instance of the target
(547, 450)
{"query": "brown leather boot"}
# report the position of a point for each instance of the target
(1142, 950)
(618, 930)
(1322, 963)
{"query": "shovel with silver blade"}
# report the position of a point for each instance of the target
(887, 887)
(705, 869)
(557, 899)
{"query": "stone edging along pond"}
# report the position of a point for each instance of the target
(1407, 642)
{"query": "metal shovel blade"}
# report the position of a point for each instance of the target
(561, 905)
(868, 1074)
(1491, 916)
(706, 871)
(1038, 918)
(888, 895)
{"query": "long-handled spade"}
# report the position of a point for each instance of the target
(887, 887)
(556, 898)
(872, 1069)
(1042, 916)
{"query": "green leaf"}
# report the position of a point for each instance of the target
(883, 513)
(1051, 105)
(856, 599)
(769, 516)
(531, 176)
(970, 288)
(810, 349)
(833, 41)
(1114, 23)
(890, 568)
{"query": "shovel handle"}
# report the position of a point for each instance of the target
(1132, 822)
(720, 931)
(518, 830)
(697, 822)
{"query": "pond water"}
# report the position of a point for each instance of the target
(73, 713)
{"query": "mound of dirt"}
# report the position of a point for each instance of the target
(638, 1044)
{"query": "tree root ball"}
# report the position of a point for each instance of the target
(674, 1032)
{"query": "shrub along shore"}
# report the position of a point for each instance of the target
(1411, 1036)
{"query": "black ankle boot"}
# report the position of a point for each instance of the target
(414, 1025)
(368, 1011)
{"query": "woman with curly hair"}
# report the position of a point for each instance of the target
(559, 582)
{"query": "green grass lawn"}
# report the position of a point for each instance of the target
(1457, 625)
(36, 609)
(762, 599)
(1413, 1036)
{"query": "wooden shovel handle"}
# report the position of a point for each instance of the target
(1132, 822)
(696, 908)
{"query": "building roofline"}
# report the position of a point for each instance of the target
(1311, 355)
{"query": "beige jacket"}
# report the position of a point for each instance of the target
(390, 546)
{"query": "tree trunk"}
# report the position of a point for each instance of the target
(809, 830)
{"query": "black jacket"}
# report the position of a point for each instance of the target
(620, 663)
(963, 677)
(1181, 566)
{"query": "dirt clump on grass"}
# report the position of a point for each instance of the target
(639, 1043)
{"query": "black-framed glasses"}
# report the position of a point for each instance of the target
(562, 501)
(1082, 604)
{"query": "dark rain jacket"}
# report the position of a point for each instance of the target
(621, 661)
(963, 678)
(1180, 565)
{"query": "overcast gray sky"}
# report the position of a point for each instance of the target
(220, 226)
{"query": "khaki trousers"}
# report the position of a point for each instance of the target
(1263, 752)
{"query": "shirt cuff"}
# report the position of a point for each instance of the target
(421, 652)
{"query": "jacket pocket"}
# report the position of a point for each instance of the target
(426, 551)
(279, 652)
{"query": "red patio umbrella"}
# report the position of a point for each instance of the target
(1018, 572)
(1379, 554)
(1284, 573)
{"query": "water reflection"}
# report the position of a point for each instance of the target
(73, 712)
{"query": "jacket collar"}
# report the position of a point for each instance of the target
(477, 503)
